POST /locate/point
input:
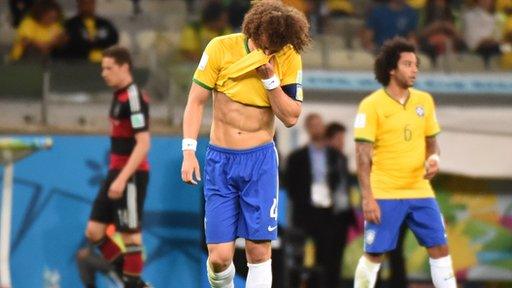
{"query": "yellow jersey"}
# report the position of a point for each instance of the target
(398, 135)
(228, 66)
(35, 32)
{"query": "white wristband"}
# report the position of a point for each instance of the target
(189, 144)
(271, 83)
(434, 157)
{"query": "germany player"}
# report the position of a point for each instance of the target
(254, 76)
(121, 198)
(397, 154)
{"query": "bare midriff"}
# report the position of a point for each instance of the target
(238, 126)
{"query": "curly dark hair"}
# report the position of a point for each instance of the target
(278, 24)
(42, 7)
(388, 58)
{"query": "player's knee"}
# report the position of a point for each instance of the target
(375, 257)
(258, 253)
(132, 238)
(93, 234)
(82, 253)
(437, 252)
(219, 261)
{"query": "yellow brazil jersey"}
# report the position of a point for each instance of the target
(398, 135)
(31, 30)
(228, 66)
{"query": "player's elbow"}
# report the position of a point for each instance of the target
(290, 121)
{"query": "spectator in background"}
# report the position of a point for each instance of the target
(339, 8)
(88, 34)
(236, 13)
(439, 33)
(39, 33)
(342, 208)
(315, 174)
(418, 5)
(196, 35)
(506, 59)
(480, 23)
(19, 8)
(386, 21)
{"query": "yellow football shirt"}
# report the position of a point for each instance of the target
(30, 29)
(228, 66)
(398, 135)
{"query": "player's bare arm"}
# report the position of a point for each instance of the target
(432, 157)
(140, 151)
(286, 109)
(364, 152)
(190, 172)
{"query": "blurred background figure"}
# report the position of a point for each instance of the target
(236, 12)
(439, 34)
(196, 35)
(18, 9)
(317, 185)
(88, 34)
(387, 20)
(39, 33)
(481, 30)
(343, 213)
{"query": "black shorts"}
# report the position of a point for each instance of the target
(126, 212)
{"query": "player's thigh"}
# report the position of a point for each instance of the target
(129, 208)
(258, 251)
(221, 201)
(259, 202)
(426, 222)
(103, 207)
(383, 237)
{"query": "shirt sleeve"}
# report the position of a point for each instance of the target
(139, 109)
(432, 127)
(209, 66)
(365, 124)
(291, 81)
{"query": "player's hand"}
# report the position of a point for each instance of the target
(371, 210)
(266, 70)
(431, 167)
(116, 189)
(190, 172)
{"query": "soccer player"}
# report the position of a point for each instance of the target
(397, 154)
(253, 76)
(121, 198)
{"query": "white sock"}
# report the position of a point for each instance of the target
(222, 279)
(366, 273)
(442, 272)
(260, 275)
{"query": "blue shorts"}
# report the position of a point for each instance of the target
(422, 216)
(241, 193)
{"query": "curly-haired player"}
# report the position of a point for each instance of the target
(254, 76)
(397, 154)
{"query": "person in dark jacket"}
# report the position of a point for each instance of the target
(88, 34)
(314, 176)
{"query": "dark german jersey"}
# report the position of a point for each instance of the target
(129, 114)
